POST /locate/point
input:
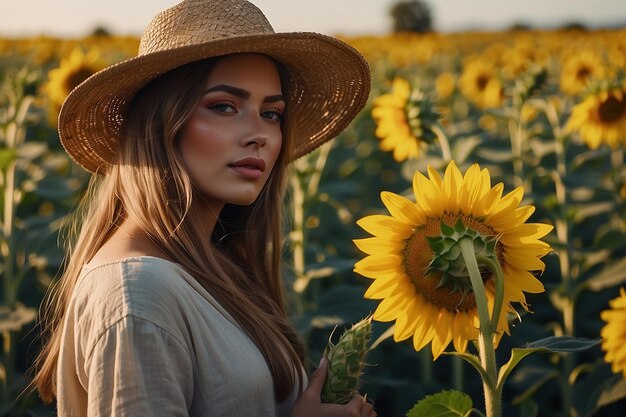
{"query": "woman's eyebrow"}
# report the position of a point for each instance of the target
(235, 91)
(240, 92)
(273, 99)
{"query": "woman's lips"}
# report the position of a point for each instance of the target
(249, 167)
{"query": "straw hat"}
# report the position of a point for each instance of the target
(329, 81)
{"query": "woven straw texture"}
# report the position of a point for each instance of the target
(329, 81)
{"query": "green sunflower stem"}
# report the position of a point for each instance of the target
(297, 237)
(562, 227)
(498, 275)
(487, 352)
(426, 369)
(516, 133)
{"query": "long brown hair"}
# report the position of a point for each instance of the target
(239, 264)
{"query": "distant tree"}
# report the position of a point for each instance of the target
(101, 31)
(574, 26)
(411, 16)
(520, 27)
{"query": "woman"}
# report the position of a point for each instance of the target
(171, 302)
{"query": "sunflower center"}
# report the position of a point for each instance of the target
(77, 77)
(612, 109)
(482, 81)
(447, 284)
(583, 73)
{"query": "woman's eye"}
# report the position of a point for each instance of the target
(273, 115)
(223, 107)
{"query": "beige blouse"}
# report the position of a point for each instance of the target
(142, 338)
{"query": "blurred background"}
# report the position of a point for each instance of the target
(533, 91)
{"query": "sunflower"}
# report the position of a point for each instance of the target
(515, 61)
(480, 83)
(435, 304)
(73, 70)
(404, 120)
(579, 69)
(614, 333)
(445, 85)
(601, 118)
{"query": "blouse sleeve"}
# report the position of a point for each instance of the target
(136, 368)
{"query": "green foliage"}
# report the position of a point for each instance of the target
(443, 404)
(35, 194)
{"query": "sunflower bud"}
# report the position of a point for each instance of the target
(346, 362)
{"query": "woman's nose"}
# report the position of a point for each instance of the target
(256, 132)
(258, 140)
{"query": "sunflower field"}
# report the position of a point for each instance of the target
(514, 140)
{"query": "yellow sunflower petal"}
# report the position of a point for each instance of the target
(384, 286)
(524, 279)
(402, 208)
(389, 308)
(373, 245)
(614, 333)
(380, 225)
(443, 333)
(501, 209)
(401, 87)
(424, 330)
(429, 202)
(521, 261)
(452, 181)
(405, 325)
(375, 265)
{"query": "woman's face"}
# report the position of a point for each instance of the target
(232, 140)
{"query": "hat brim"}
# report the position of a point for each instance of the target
(329, 84)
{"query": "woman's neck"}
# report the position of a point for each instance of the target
(127, 241)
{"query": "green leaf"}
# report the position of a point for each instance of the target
(593, 209)
(13, 319)
(503, 113)
(495, 155)
(559, 344)
(442, 404)
(563, 344)
(534, 386)
(472, 360)
(612, 239)
(31, 150)
(6, 156)
(597, 389)
(517, 354)
(596, 156)
(529, 408)
(613, 389)
(464, 148)
(608, 277)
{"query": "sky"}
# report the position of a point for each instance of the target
(70, 18)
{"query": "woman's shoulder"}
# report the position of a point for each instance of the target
(127, 298)
(145, 287)
(132, 277)
(131, 268)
